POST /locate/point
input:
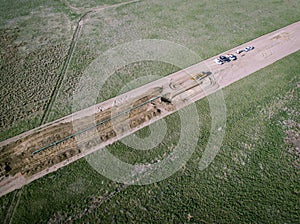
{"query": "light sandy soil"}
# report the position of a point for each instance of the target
(268, 49)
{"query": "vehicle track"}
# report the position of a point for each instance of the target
(83, 19)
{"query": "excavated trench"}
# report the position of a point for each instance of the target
(58, 142)
(19, 156)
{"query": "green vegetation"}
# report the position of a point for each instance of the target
(193, 24)
(253, 178)
(17, 8)
(86, 4)
(34, 39)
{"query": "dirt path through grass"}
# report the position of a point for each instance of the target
(268, 49)
(80, 24)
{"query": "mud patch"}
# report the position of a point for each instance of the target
(283, 36)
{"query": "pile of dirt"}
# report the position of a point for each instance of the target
(52, 145)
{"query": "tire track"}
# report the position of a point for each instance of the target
(13, 206)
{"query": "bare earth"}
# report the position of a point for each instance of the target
(19, 164)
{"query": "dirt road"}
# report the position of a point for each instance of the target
(35, 153)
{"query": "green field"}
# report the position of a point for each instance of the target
(255, 176)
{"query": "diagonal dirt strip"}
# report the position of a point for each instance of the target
(268, 49)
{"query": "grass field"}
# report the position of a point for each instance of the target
(86, 4)
(34, 40)
(192, 24)
(254, 178)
